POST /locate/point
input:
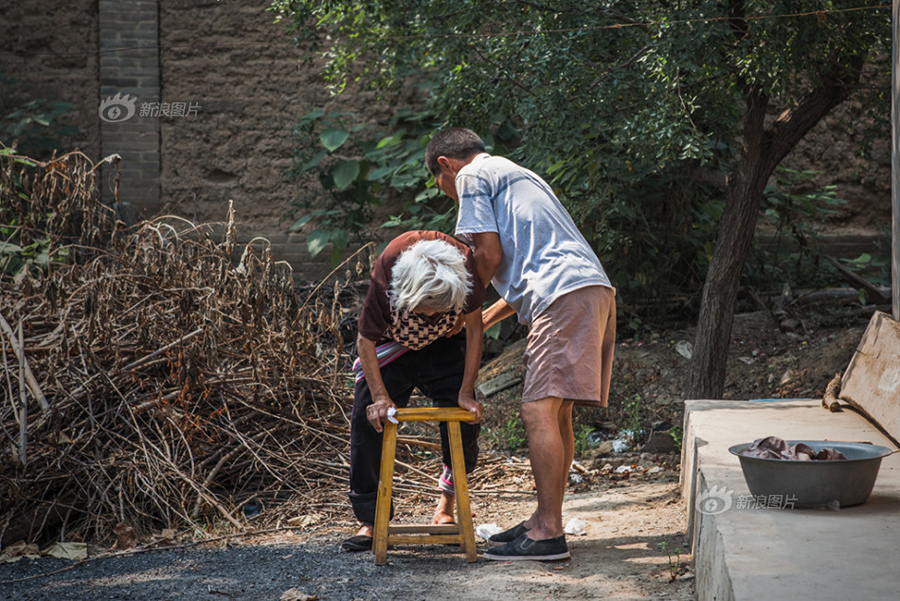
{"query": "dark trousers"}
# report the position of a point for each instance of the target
(437, 371)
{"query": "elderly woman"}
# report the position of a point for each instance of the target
(424, 289)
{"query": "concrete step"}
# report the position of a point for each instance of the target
(744, 550)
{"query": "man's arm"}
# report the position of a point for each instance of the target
(381, 400)
(497, 313)
(474, 346)
(488, 254)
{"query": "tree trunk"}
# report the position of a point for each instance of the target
(742, 196)
(763, 149)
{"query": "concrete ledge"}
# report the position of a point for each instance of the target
(779, 553)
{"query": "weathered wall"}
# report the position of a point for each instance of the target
(240, 77)
(243, 84)
(253, 83)
(245, 73)
(49, 49)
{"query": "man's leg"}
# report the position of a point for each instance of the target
(551, 445)
(568, 435)
(550, 439)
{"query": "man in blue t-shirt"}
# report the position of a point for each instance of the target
(526, 244)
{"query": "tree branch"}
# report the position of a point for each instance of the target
(737, 20)
(794, 123)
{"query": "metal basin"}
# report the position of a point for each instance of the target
(815, 483)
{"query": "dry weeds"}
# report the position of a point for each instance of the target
(170, 386)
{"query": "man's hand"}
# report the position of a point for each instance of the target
(377, 413)
(468, 402)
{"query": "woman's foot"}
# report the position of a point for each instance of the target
(361, 541)
(443, 514)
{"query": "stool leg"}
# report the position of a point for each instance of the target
(461, 484)
(385, 487)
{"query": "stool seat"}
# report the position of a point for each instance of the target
(463, 532)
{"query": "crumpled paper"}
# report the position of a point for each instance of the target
(619, 446)
(390, 415)
(576, 527)
(301, 521)
(684, 348)
(486, 531)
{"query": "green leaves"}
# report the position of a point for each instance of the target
(8, 248)
(317, 240)
(17, 260)
(36, 126)
(617, 104)
(314, 162)
(332, 139)
(300, 222)
(344, 173)
(374, 165)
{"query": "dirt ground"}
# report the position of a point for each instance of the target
(629, 524)
(628, 503)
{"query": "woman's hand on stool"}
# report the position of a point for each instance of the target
(377, 413)
(468, 402)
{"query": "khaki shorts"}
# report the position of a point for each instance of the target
(570, 348)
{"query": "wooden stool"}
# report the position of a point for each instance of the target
(463, 532)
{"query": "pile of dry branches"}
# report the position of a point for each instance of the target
(151, 379)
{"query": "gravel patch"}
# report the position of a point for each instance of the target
(241, 572)
(621, 555)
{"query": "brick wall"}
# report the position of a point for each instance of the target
(129, 108)
(245, 79)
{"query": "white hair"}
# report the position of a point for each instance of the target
(430, 274)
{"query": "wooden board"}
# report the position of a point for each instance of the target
(498, 384)
(871, 382)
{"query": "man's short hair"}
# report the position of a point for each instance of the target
(453, 142)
